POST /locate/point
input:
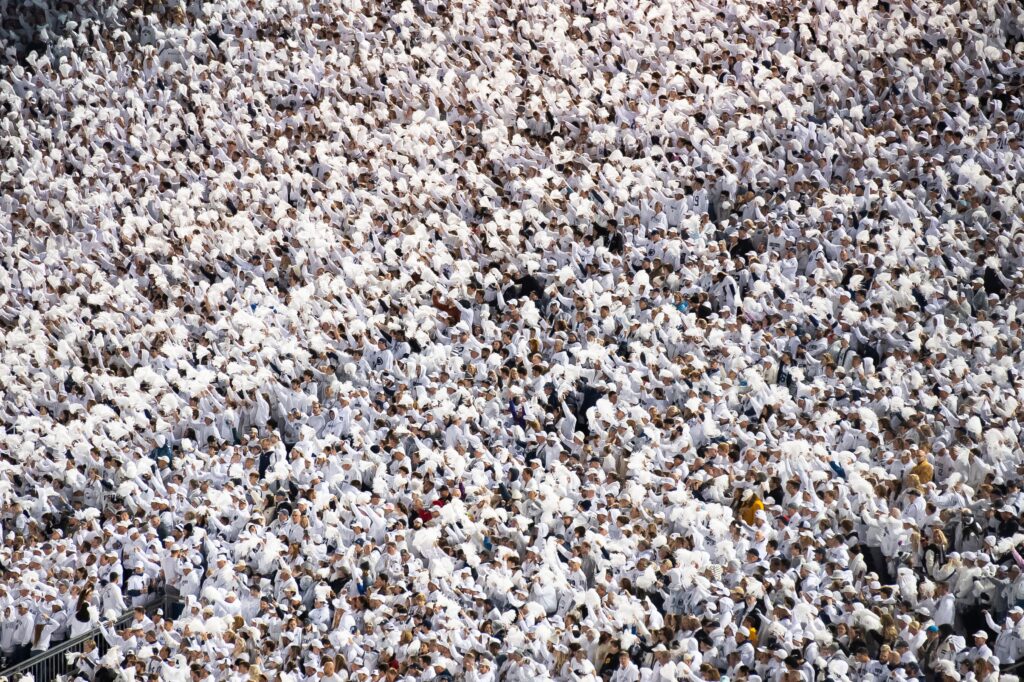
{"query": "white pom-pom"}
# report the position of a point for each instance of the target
(425, 539)
(974, 426)
(212, 594)
(217, 626)
(112, 659)
(647, 579)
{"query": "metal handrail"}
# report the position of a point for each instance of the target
(52, 663)
(1012, 667)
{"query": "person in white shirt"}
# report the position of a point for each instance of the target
(137, 586)
(24, 632)
(45, 627)
(627, 671)
(945, 605)
(1009, 644)
(480, 670)
(189, 584)
(8, 630)
(111, 599)
(980, 650)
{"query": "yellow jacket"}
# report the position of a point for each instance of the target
(751, 508)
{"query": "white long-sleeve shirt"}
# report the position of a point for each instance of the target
(945, 610)
(1009, 644)
(111, 599)
(8, 630)
(628, 674)
(50, 625)
(25, 630)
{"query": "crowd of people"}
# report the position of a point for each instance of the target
(514, 340)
